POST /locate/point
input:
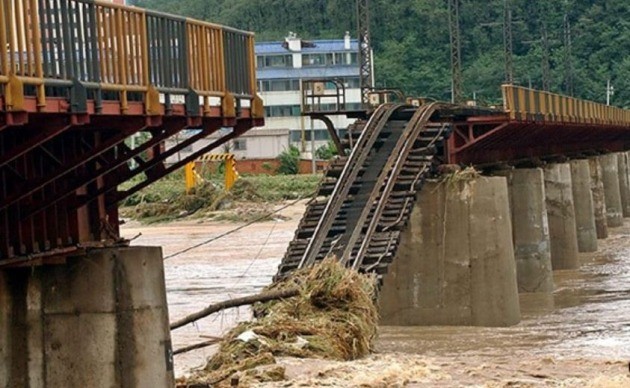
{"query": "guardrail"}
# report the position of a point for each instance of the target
(533, 105)
(104, 47)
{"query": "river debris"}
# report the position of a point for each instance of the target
(332, 317)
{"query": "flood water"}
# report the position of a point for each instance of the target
(586, 319)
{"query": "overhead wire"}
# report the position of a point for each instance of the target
(232, 231)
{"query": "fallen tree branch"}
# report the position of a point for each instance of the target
(200, 345)
(247, 300)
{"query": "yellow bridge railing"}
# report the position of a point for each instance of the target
(533, 105)
(123, 50)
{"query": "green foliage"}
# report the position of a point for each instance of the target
(165, 199)
(411, 39)
(289, 161)
(327, 151)
(273, 188)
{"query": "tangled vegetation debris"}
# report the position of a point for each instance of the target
(250, 198)
(333, 317)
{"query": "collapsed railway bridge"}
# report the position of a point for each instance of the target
(368, 193)
(81, 78)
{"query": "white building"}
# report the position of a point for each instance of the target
(280, 69)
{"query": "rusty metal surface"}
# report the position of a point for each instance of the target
(79, 80)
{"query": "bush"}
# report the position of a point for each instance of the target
(326, 152)
(289, 161)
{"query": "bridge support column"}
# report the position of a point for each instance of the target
(530, 229)
(99, 320)
(583, 203)
(561, 215)
(455, 264)
(612, 194)
(599, 198)
(624, 183)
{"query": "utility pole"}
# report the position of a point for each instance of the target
(507, 42)
(366, 78)
(456, 51)
(610, 91)
(546, 68)
(568, 56)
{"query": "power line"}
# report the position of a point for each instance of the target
(229, 232)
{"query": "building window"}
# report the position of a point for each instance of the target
(240, 145)
(282, 110)
(279, 85)
(346, 59)
(320, 135)
(315, 59)
(274, 61)
(351, 83)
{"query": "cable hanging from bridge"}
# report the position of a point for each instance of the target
(232, 231)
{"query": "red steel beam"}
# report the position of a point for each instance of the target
(175, 126)
(52, 130)
(23, 191)
(241, 128)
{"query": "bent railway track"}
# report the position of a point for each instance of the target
(366, 198)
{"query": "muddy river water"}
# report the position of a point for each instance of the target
(579, 336)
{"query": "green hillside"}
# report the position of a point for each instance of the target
(411, 39)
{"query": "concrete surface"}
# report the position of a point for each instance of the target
(583, 203)
(612, 193)
(561, 216)
(599, 197)
(530, 229)
(100, 320)
(455, 265)
(624, 183)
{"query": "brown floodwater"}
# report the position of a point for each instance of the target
(582, 330)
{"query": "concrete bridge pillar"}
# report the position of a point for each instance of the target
(99, 320)
(612, 193)
(624, 183)
(530, 229)
(583, 201)
(455, 264)
(599, 198)
(561, 215)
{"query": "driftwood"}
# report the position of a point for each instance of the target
(200, 345)
(244, 301)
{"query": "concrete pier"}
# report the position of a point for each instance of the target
(624, 183)
(599, 198)
(99, 320)
(583, 201)
(530, 229)
(455, 265)
(612, 193)
(561, 215)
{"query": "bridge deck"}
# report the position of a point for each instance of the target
(80, 79)
(535, 124)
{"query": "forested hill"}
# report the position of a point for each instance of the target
(411, 40)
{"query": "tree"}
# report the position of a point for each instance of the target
(411, 44)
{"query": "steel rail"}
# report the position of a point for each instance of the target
(348, 176)
(390, 170)
(397, 159)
